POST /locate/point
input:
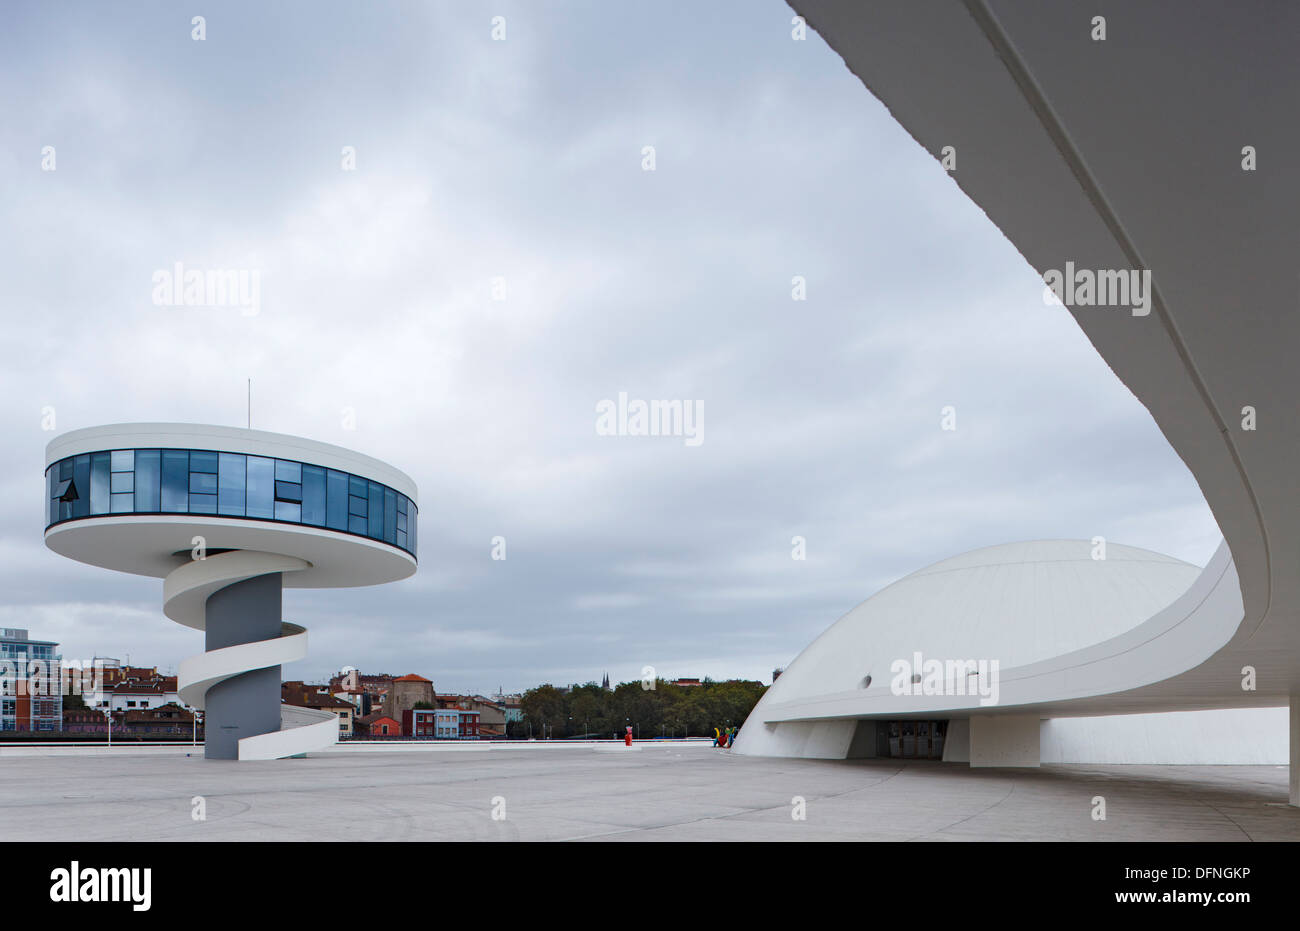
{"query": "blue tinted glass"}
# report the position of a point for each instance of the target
(313, 495)
(65, 469)
(287, 510)
(51, 502)
(401, 522)
(356, 506)
(412, 522)
(202, 460)
(203, 504)
(337, 511)
(175, 480)
(203, 483)
(357, 524)
(99, 483)
(123, 460)
(286, 471)
(261, 487)
(230, 485)
(146, 480)
(121, 481)
(401, 539)
(358, 486)
(123, 504)
(376, 511)
(390, 515)
(401, 504)
(288, 491)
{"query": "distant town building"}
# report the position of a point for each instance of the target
(129, 688)
(84, 721)
(492, 715)
(132, 696)
(377, 724)
(31, 693)
(442, 723)
(686, 682)
(513, 709)
(302, 695)
(776, 673)
(468, 725)
(365, 692)
(170, 720)
(430, 722)
(405, 693)
(361, 700)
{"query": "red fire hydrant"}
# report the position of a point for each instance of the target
(627, 738)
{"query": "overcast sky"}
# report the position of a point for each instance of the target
(523, 159)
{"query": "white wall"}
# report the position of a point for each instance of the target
(142, 701)
(1005, 740)
(1236, 736)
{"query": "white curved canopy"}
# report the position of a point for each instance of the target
(1018, 603)
(1127, 153)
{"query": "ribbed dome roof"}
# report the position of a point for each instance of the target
(1015, 602)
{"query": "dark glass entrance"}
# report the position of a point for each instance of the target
(912, 740)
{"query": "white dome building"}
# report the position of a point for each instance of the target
(991, 610)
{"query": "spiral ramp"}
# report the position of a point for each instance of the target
(185, 594)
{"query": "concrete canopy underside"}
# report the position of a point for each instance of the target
(1127, 154)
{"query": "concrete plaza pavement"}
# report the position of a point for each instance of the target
(669, 792)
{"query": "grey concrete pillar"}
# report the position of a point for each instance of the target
(247, 704)
(863, 745)
(1295, 750)
(956, 746)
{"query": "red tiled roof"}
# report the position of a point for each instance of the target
(140, 688)
(170, 711)
(376, 718)
(317, 701)
(411, 678)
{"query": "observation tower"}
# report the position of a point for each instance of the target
(228, 518)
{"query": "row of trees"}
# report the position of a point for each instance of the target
(666, 710)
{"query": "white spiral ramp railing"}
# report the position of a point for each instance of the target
(185, 593)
